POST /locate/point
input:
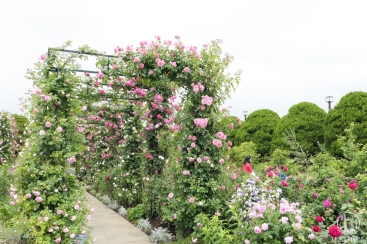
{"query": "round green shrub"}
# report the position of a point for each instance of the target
(307, 120)
(351, 108)
(258, 128)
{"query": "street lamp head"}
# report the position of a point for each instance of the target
(329, 99)
(245, 113)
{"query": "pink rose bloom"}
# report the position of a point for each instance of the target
(73, 218)
(136, 59)
(186, 69)
(288, 239)
(264, 226)
(234, 176)
(58, 240)
(72, 159)
(160, 63)
(100, 75)
(80, 129)
(38, 199)
(199, 225)
(199, 160)
(170, 195)
(217, 143)
(76, 207)
(191, 159)
(221, 135)
(12, 203)
(28, 195)
(283, 210)
(298, 226)
(223, 188)
(327, 203)
(193, 144)
(72, 236)
(202, 107)
(284, 220)
(66, 230)
(35, 111)
(221, 161)
(48, 124)
(206, 158)
(150, 72)
(311, 236)
(89, 217)
(114, 66)
(192, 200)
(141, 66)
(175, 216)
(43, 57)
(179, 148)
(257, 230)
(42, 132)
(59, 212)
(59, 129)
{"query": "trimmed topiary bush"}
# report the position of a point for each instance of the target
(351, 108)
(307, 120)
(258, 128)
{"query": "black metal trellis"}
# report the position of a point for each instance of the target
(83, 53)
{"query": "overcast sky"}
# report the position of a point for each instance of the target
(289, 51)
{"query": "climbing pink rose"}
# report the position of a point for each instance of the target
(38, 199)
(187, 69)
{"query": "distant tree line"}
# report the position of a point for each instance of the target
(314, 128)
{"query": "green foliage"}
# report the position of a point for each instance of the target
(351, 108)
(238, 153)
(307, 121)
(354, 153)
(259, 128)
(228, 122)
(45, 182)
(211, 230)
(22, 122)
(136, 213)
(5, 180)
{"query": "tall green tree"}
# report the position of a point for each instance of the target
(351, 108)
(307, 120)
(258, 128)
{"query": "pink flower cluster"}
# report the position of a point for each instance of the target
(217, 143)
(201, 122)
(197, 87)
(192, 138)
(221, 135)
(158, 98)
(186, 172)
(206, 100)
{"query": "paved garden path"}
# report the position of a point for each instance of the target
(110, 228)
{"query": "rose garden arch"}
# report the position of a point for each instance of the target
(124, 125)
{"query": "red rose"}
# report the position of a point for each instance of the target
(316, 228)
(285, 168)
(284, 183)
(352, 185)
(319, 219)
(335, 231)
(107, 178)
(271, 174)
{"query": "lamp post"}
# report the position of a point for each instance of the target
(245, 114)
(329, 100)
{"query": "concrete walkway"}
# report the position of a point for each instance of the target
(110, 228)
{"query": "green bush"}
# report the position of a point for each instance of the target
(258, 128)
(21, 122)
(238, 153)
(307, 120)
(351, 108)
